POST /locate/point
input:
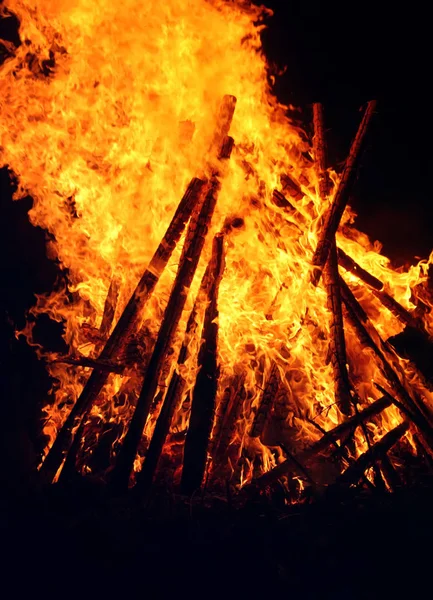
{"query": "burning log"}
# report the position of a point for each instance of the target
(205, 389)
(227, 415)
(412, 407)
(92, 363)
(222, 143)
(68, 471)
(110, 307)
(194, 243)
(329, 438)
(291, 187)
(123, 328)
(350, 265)
(350, 299)
(281, 201)
(127, 322)
(402, 314)
(177, 382)
(354, 473)
(416, 417)
(267, 399)
(337, 342)
(390, 473)
(193, 246)
(335, 212)
(320, 151)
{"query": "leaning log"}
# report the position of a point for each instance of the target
(123, 328)
(291, 187)
(266, 401)
(414, 405)
(337, 341)
(193, 246)
(320, 151)
(92, 363)
(335, 212)
(348, 264)
(354, 473)
(109, 308)
(329, 438)
(228, 413)
(194, 243)
(414, 416)
(377, 289)
(176, 386)
(205, 388)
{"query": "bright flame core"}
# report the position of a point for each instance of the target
(106, 114)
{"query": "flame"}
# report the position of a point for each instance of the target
(107, 112)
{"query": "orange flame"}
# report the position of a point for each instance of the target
(107, 111)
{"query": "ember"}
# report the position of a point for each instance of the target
(195, 222)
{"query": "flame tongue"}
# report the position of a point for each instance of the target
(107, 113)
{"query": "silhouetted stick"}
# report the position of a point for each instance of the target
(337, 341)
(109, 307)
(402, 314)
(177, 384)
(123, 328)
(354, 473)
(335, 212)
(414, 416)
(266, 401)
(205, 388)
(291, 187)
(228, 413)
(391, 475)
(320, 151)
(68, 470)
(322, 444)
(365, 338)
(350, 265)
(92, 363)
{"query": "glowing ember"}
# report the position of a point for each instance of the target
(107, 114)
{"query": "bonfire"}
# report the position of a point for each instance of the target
(228, 326)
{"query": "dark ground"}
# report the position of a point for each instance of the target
(342, 55)
(66, 543)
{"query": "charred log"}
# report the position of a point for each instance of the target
(402, 314)
(92, 363)
(177, 383)
(205, 389)
(329, 438)
(193, 246)
(413, 405)
(354, 473)
(267, 399)
(341, 198)
(228, 413)
(109, 308)
(337, 342)
(124, 327)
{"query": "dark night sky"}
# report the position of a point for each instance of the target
(343, 54)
